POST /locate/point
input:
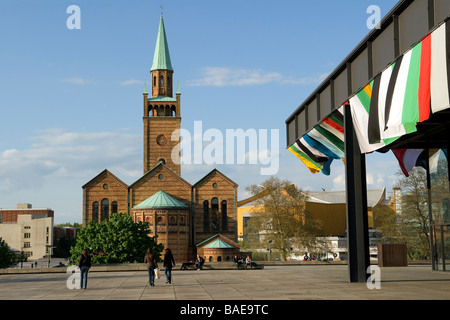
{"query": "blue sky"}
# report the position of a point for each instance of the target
(71, 100)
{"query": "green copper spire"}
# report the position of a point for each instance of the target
(178, 87)
(161, 59)
(145, 87)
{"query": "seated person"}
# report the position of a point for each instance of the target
(199, 262)
(237, 261)
(249, 262)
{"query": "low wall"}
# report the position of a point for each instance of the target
(207, 266)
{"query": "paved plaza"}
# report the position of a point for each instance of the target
(297, 282)
(271, 293)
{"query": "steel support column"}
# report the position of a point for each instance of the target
(356, 196)
(433, 253)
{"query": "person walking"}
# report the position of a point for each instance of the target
(150, 260)
(169, 262)
(84, 263)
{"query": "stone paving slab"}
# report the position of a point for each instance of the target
(273, 283)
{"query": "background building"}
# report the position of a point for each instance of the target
(329, 208)
(28, 230)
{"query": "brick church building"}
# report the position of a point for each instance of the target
(181, 214)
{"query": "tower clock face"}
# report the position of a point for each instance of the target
(161, 140)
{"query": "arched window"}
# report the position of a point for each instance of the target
(161, 81)
(154, 81)
(105, 209)
(161, 111)
(95, 211)
(162, 160)
(114, 207)
(224, 216)
(219, 259)
(206, 216)
(215, 214)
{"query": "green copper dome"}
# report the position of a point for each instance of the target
(161, 200)
(218, 244)
(161, 58)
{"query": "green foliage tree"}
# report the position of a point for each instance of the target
(70, 224)
(7, 256)
(280, 217)
(118, 240)
(411, 225)
(414, 222)
(385, 220)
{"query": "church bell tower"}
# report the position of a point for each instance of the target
(162, 115)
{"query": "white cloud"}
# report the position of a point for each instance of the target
(223, 76)
(78, 81)
(339, 182)
(56, 154)
(131, 82)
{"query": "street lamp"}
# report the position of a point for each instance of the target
(49, 253)
(270, 241)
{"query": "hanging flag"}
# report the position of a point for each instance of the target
(312, 165)
(330, 132)
(320, 147)
(395, 100)
(440, 48)
(407, 158)
(377, 130)
(325, 142)
(388, 107)
(425, 80)
(360, 108)
(328, 140)
(410, 158)
(408, 93)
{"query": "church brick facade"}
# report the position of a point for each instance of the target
(205, 208)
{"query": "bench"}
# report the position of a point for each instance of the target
(218, 266)
(243, 266)
(188, 265)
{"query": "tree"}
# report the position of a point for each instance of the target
(118, 240)
(281, 217)
(413, 223)
(385, 220)
(70, 224)
(7, 256)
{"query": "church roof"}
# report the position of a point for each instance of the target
(105, 172)
(164, 167)
(161, 200)
(162, 98)
(218, 241)
(218, 244)
(161, 58)
(211, 174)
